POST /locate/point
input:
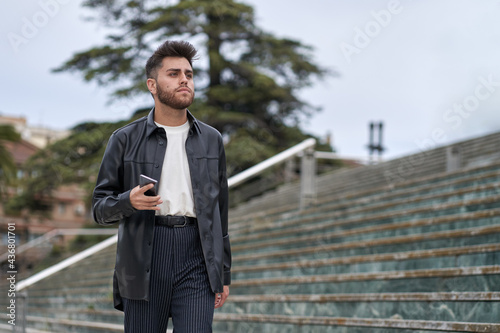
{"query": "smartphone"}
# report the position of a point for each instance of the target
(145, 180)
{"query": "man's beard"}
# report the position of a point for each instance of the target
(171, 100)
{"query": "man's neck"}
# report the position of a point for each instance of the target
(168, 116)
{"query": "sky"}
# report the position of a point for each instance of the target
(427, 69)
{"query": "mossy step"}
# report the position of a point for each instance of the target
(278, 323)
(474, 278)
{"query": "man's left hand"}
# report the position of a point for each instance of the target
(220, 298)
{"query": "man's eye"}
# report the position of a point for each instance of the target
(173, 74)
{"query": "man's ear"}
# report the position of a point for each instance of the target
(151, 83)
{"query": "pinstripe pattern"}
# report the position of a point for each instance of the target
(179, 287)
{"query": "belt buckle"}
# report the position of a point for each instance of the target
(182, 225)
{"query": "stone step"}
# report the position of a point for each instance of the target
(473, 278)
(469, 306)
(72, 326)
(65, 292)
(282, 323)
(424, 259)
(482, 296)
(79, 300)
(107, 315)
(356, 260)
(4, 328)
(61, 325)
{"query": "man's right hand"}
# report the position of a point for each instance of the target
(140, 201)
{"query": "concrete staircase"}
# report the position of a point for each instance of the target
(419, 255)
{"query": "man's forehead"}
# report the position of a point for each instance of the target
(177, 63)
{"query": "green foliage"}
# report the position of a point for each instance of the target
(7, 166)
(248, 147)
(26, 200)
(75, 159)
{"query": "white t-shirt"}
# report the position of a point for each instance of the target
(175, 183)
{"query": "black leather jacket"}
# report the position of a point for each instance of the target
(139, 147)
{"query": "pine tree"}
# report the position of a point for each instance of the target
(247, 79)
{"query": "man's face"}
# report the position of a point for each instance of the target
(174, 83)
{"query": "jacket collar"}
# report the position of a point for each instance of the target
(151, 126)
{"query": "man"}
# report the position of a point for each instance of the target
(173, 255)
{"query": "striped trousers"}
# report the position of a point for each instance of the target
(179, 287)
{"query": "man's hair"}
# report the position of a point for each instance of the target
(169, 49)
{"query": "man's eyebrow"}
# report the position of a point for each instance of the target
(178, 70)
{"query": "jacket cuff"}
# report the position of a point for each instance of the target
(125, 204)
(227, 278)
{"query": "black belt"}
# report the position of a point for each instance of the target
(175, 221)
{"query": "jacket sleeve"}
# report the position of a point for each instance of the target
(223, 206)
(110, 201)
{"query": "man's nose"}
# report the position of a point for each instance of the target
(183, 78)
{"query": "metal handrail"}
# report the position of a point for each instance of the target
(232, 181)
(272, 161)
(58, 232)
(66, 263)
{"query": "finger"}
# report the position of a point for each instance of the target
(150, 200)
(144, 188)
(148, 208)
(223, 299)
(219, 304)
(151, 208)
(225, 295)
(218, 299)
(143, 202)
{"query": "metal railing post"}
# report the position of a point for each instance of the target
(453, 158)
(22, 308)
(307, 178)
(24, 296)
(289, 170)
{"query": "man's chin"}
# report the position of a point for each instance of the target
(182, 106)
(179, 104)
